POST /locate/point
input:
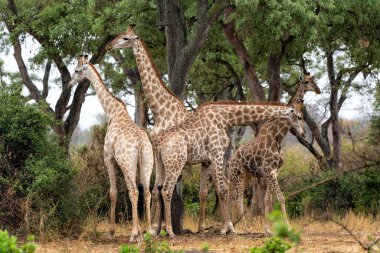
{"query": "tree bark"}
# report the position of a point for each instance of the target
(334, 111)
(141, 109)
(248, 66)
(183, 46)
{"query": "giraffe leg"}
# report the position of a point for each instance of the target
(146, 168)
(128, 166)
(267, 203)
(133, 196)
(222, 192)
(173, 158)
(110, 163)
(167, 193)
(273, 187)
(205, 174)
(156, 203)
(240, 205)
(280, 196)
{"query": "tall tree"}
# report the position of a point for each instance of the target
(186, 34)
(63, 29)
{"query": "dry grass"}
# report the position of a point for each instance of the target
(317, 236)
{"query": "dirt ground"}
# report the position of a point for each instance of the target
(316, 236)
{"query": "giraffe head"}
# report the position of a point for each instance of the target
(295, 117)
(124, 40)
(309, 83)
(81, 71)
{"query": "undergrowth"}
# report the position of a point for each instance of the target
(9, 244)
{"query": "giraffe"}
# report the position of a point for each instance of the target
(168, 110)
(125, 145)
(306, 83)
(203, 139)
(262, 157)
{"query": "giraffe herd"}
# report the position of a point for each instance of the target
(180, 137)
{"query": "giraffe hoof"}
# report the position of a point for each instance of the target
(134, 238)
(111, 234)
(233, 232)
(223, 231)
(201, 229)
(267, 230)
(152, 232)
(232, 229)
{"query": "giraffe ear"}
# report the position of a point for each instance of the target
(80, 59)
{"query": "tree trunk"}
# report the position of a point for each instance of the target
(275, 86)
(183, 46)
(334, 111)
(141, 109)
(248, 67)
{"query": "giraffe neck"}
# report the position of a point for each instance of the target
(298, 94)
(275, 129)
(230, 114)
(111, 105)
(165, 106)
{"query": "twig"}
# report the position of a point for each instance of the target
(365, 247)
(240, 217)
(292, 194)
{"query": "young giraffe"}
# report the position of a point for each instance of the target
(306, 83)
(262, 157)
(203, 139)
(125, 145)
(168, 110)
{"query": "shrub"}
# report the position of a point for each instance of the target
(283, 237)
(8, 244)
(357, 191)
(149, 246)
(36, 177)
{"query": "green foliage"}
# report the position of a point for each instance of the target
(149, 246)
(37, 172)
(205, 247)
(9, 244)
(283, 237)
(23, 127)
(357, 191)
(129, 249)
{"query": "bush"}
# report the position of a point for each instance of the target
(357, 191)
(8, 244)
(283, 237)
(149, 246)
(36, 183)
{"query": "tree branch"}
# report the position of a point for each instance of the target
(183, 48)
(45, 79)
(240, 49)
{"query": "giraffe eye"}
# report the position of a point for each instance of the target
(306, 82)
(76, 71)
(300, 118)
(125, 38)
